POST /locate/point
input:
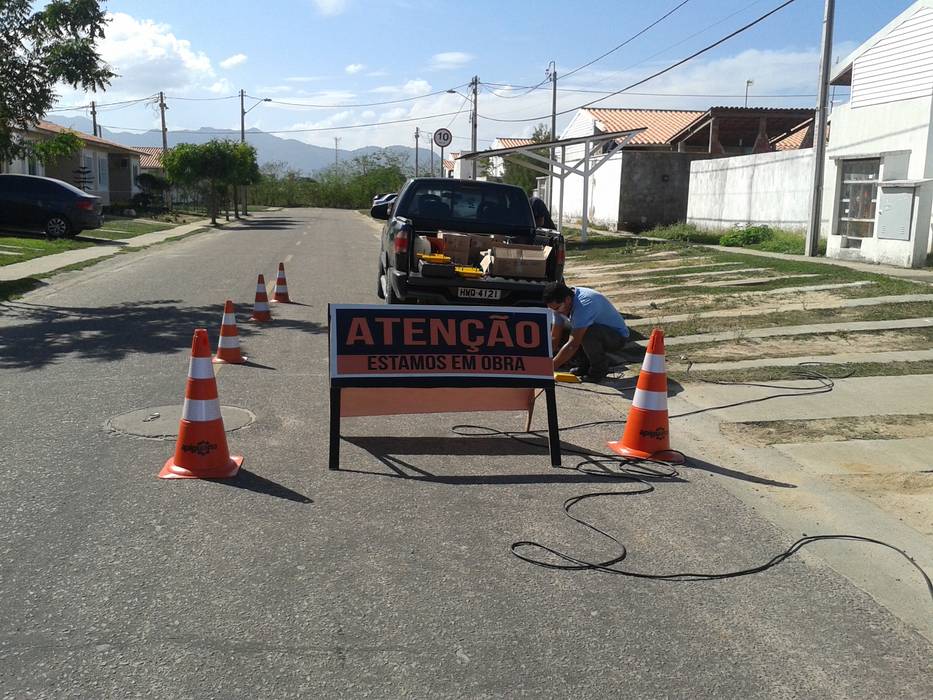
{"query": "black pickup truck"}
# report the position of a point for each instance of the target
(424, 207)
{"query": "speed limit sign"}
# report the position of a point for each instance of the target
(443, 137)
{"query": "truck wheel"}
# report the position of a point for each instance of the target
(380, 281)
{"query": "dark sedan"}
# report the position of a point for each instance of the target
(53, 206)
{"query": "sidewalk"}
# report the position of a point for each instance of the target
(38, 267)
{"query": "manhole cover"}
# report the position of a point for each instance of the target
(162, 421)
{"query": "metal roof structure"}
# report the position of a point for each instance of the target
(601, 146)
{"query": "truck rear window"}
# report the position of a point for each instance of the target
(467, 202)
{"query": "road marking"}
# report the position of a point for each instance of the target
(297, 242)
(288, 258)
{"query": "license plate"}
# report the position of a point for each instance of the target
(477, 293)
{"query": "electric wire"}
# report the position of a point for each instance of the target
(638, 472)
(309, 105)
(656, 74)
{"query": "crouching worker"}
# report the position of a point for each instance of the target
(596, 329)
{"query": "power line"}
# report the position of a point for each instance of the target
(360, 104)
(627, 41)
(658, 73)
(293, 131)
(202, 99)
(78, 108)
(660, 94)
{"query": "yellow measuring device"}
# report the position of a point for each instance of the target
(566, 377)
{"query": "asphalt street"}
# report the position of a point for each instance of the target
(390, 578)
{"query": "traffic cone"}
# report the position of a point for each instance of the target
(261, 307)
(646, 434)
(201, 451)
(281, 287)
(228, 347)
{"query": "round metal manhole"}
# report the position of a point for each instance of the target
(161, 422)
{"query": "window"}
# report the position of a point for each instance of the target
(33, 167)
(102, 172)
(858, 197)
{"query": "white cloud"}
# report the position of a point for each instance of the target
(147, 57)
(304, 79)
(410, 89)
(354, 68)
(233, 61)
(329, 8)
(274, 89)
(450, 59)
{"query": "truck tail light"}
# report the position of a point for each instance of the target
(561, 255)
(401, 239)
(86, 204)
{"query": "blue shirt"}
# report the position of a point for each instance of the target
(590, 308)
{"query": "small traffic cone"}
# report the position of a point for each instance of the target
(646, 433)
(228, 347)
(281, 287)
(201, 450)
(261, 312)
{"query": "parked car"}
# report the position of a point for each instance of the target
(46, 204)
(494, 213)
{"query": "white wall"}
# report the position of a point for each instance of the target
(899, 133)
(760, 188)
(605, 183)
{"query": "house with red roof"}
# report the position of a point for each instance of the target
(102, 167)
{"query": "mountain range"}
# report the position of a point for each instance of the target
(298, 155)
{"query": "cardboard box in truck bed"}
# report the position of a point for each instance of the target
(526, 261)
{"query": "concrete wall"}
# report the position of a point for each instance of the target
(654, 187)
(900, 134)
(760, 188)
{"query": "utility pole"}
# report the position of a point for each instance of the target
(162, 108)
(748, 83)
(475, 84)
(336, 151)
(417, 135)
(242, 116)
(432, 154)
(94, 116)
(819, 135)
(552, 74)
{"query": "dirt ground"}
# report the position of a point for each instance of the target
(885, 427)
(907, 494)
(803, 345)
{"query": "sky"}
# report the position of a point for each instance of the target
(331, 60)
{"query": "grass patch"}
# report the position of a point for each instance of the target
(30, 248)
(115, 229)
(881, 312)
(11, 289)
(686, 233)
(777, 374)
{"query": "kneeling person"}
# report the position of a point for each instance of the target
(596, 327)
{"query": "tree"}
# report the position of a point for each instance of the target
(517, 174)
(39, 49)
(245, 171)
(62, 145)
(209, 166)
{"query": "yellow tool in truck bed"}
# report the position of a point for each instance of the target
(436, 258)
(468, 271)
(566, 377)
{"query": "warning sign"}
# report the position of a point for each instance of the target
(439, 341)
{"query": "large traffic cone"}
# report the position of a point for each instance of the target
(281, 287)
(261, 311)
(646, 433)
(201, 451)
(228, 347)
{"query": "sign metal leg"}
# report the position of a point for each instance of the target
(334, 462)
(553, 429)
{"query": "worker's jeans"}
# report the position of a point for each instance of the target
(597, 343)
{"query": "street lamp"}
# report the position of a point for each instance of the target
(475, 85)
(243, 113)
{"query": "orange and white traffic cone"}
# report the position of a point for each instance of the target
(201, 450)
(281, 287)
(647, 434)
(261, 311)
(228, 347)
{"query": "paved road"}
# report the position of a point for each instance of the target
(392, 578)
